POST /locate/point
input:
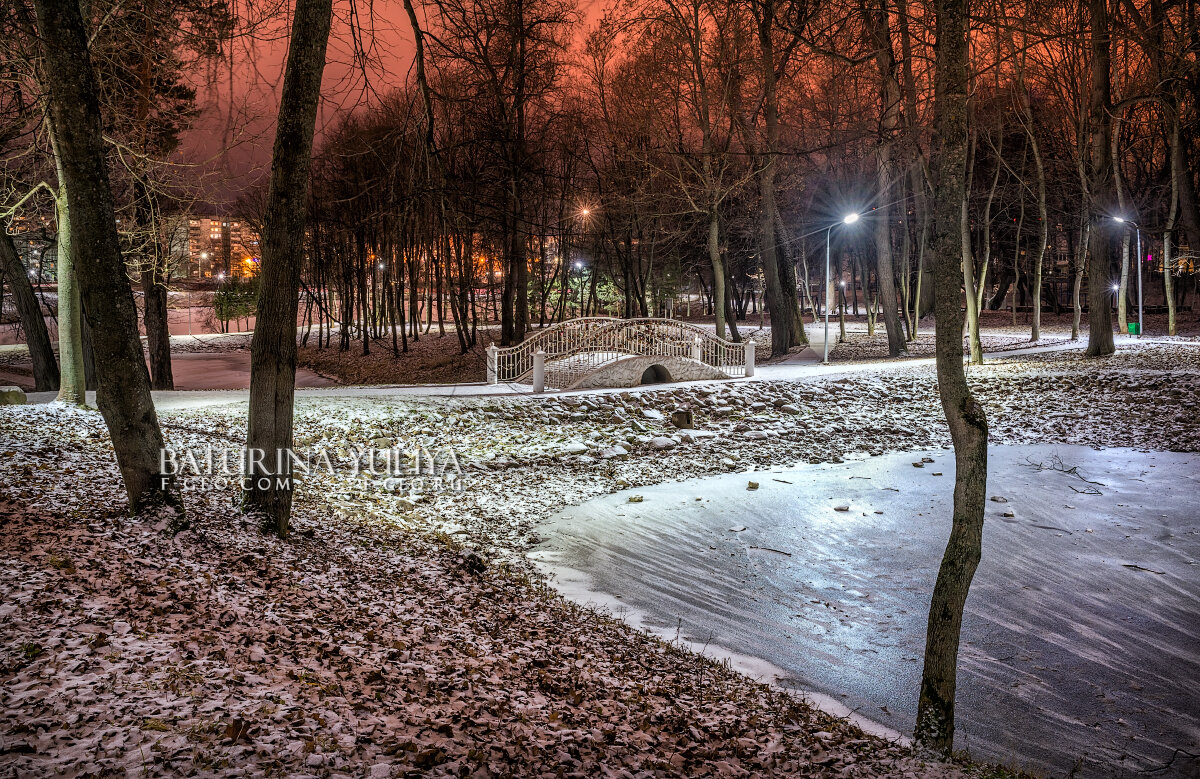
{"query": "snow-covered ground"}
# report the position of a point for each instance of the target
(411, 630)
(1079, 643)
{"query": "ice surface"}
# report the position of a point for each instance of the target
(1082, 637)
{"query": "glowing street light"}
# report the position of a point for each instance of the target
(1123, 221)
(848, 219)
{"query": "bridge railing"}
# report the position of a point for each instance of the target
(571, 350)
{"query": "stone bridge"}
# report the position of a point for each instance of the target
(599, 352)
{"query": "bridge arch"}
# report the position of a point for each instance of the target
(656, 374)
(596, 352)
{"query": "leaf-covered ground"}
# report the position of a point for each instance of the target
(395, 635)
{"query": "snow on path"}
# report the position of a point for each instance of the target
(222, 388)
(1080, 641)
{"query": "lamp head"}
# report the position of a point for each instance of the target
(850, 218)
(1119, 220)
(1116, 287)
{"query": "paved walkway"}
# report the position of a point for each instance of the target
(801, 366)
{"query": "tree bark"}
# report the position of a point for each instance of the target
(158, 334)
(720, 304)
(72, 386)
(1169, 230)
(889, 95)
(1100, 333)
(268, 464)
(968, 425)
(1026, 115)
(123, 389)
(41, 351)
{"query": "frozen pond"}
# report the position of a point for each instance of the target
(1081, 643)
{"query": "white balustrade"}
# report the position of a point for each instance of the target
(563, 354)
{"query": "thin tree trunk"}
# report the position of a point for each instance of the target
(718, 269)
(969, 287)
(1168, 231)
(41, 351)
(965, 417)
(1100, 332)
(123, 383)
(158, 334)
(889, 95)
(1081, 259)
(273, 347)
(72, 387)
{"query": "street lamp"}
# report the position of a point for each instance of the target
(1123, 221)
(848, 219)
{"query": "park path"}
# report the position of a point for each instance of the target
(804, 365)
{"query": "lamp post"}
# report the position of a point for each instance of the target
(848, 219)
(1138, 232)
(579, 267)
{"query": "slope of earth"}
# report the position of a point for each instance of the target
(397, 633)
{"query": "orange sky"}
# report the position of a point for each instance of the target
(232, 138)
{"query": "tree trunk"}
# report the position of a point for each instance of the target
(787, 327)
(889, 127)
(1081, 258)
(273, 347)
(158, 334)
(72, 387)
(123, 389)
(967, 267)
(718, 269)
(1039, 168)
(1168, 231)
(968, 425)
(41, 352)
(1100, 333)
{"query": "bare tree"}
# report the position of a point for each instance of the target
(41, 352)
(273, 347)
(964, 415)
(123, 393)
(1100, 334)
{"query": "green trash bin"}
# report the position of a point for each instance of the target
(1135, 328)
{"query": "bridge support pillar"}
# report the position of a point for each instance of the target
(749, 358)
(539, 371)
(493, 364)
